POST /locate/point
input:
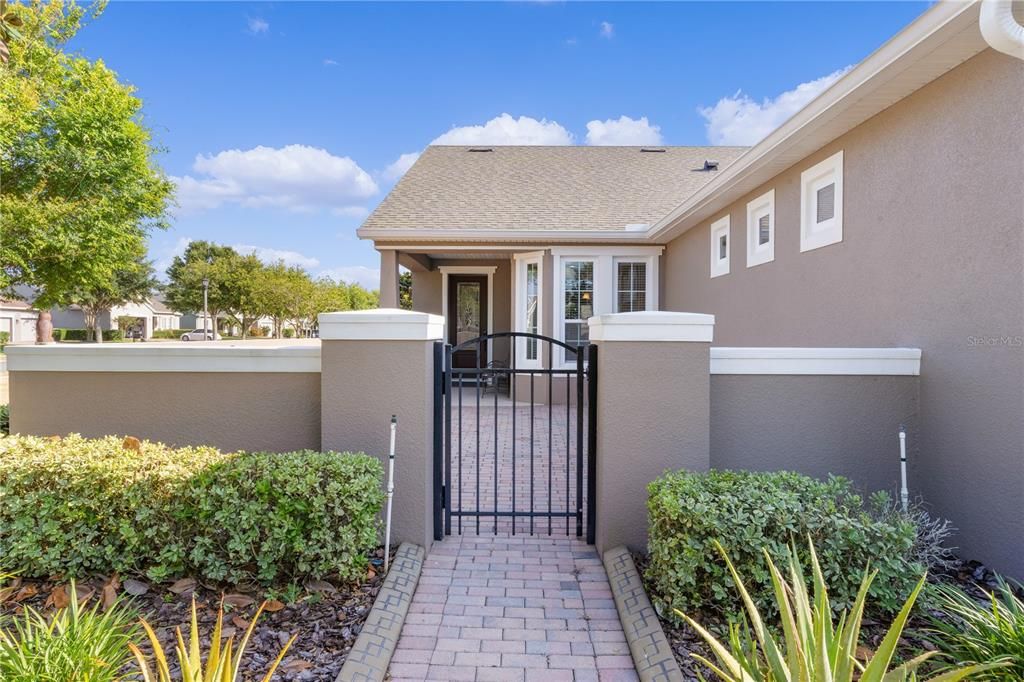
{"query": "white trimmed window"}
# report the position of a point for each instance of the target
(821, 204)
(761, 229)
(578, 299)
(631, 285)
(596, 280)
(720, 247)
(529, 302)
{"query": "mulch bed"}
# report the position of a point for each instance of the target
(970, 576)
(326, 615)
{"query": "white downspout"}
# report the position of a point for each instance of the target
(1000, 29)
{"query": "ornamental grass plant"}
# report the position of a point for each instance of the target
(973, 632)
(815, 645)
(75, 643)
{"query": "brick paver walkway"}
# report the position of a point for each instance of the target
(512, 608)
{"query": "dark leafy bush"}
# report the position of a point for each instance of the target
(75, 506)
(748, 511)
(5, 419)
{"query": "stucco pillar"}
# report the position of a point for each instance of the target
(388, 278)
(374, 364)
(653, 412)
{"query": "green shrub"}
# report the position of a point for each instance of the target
(5, 419)
(5, 338)
(75, 506)
(748, 511)
(970, 632)
(75, 643)
(63, 334)
(289, 333)
(168, 333)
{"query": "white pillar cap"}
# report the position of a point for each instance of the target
(381, 324)
(653, 325)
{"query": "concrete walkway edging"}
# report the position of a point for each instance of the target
(370, 656)
(651, 651)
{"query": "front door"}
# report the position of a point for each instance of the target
(467, 318)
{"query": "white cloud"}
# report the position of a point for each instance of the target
(295, 177)
(270, 255)
(607, 30)
(739, 120)
(623, 131)
(257, 25)
(369, 278)
(398, 168)
(330, 62)
(506, 130)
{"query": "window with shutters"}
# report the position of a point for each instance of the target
(761, 230)
(720, 247)
(630, 286)
(821, 204)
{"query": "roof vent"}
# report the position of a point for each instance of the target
(652, 150)
(481, 149)
(710, 165)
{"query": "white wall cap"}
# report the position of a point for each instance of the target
(652, 325)
(381, 324)
(156, 356)
(817, 361)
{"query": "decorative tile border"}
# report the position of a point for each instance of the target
(371, 654)
(651, 652)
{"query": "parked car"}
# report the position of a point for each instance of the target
(197, 335)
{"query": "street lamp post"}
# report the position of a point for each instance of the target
(206, 314)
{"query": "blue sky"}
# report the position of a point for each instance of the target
(284, 123)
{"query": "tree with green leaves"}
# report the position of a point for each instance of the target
(282, 294)
(202, 259)
(405, 290)
(132, 283)
(81, 189)
(244, 306)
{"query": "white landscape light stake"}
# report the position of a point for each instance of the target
(904, 495)
(391, 494)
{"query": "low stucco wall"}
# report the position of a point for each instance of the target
(271, 412)
(817, 425)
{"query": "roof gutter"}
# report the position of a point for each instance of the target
(911, 42)
(1000, 29)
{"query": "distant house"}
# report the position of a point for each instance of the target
(18, 321)
(149, 316)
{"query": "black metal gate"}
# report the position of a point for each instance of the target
(514, 446)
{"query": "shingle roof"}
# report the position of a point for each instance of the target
(544, 188)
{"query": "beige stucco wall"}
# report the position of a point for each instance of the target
(364, 383)
(932, 257)
(652, 414)
(817, 425)
(265, 412)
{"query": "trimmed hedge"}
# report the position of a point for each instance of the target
(64, 334)
(748, 511)
(169, 333)
(75, 507)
